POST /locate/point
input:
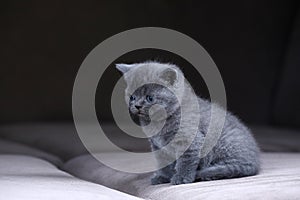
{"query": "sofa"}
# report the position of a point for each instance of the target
(48, 161)
(255, 45)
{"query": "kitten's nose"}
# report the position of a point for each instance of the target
(138, 106)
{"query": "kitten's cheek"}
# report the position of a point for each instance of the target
(132, 111)
(157, 112)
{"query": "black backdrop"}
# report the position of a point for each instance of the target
(254, 43)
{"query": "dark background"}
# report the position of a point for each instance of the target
(255, 45)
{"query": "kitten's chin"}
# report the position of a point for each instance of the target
(140, 119)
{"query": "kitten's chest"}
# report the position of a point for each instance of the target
(158, 142)
(164, 141)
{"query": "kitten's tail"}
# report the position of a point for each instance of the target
(226, 171)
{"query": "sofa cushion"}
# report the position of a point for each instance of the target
(277, 139)
(25, 177)
(279, 179)
(62, 139)
(10, 147)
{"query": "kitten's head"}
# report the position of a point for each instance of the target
(152, 88)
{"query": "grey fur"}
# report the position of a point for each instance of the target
(235, 154)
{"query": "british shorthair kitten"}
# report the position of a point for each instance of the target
(235, 153)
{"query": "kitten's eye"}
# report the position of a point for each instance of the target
(149, 98)
(132, 98)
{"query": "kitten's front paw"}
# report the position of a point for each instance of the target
(178, 179)
(159, 180)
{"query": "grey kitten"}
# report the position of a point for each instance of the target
(235, 153)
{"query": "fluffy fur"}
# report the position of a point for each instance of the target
(235, 154)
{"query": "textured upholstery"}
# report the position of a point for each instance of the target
(61, 139)
(279, 179)
(29, 178)
(14, 148)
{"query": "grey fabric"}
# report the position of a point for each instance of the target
(280, 171)
(10, 147)
(29, 178)
(273, 139)
(279, 179)
(61, 139)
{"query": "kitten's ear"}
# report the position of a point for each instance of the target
(124, 67)
(169, 76)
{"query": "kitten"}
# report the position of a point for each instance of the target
(235, 154)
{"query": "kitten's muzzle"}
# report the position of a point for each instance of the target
(138, 107)
(141, 113)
